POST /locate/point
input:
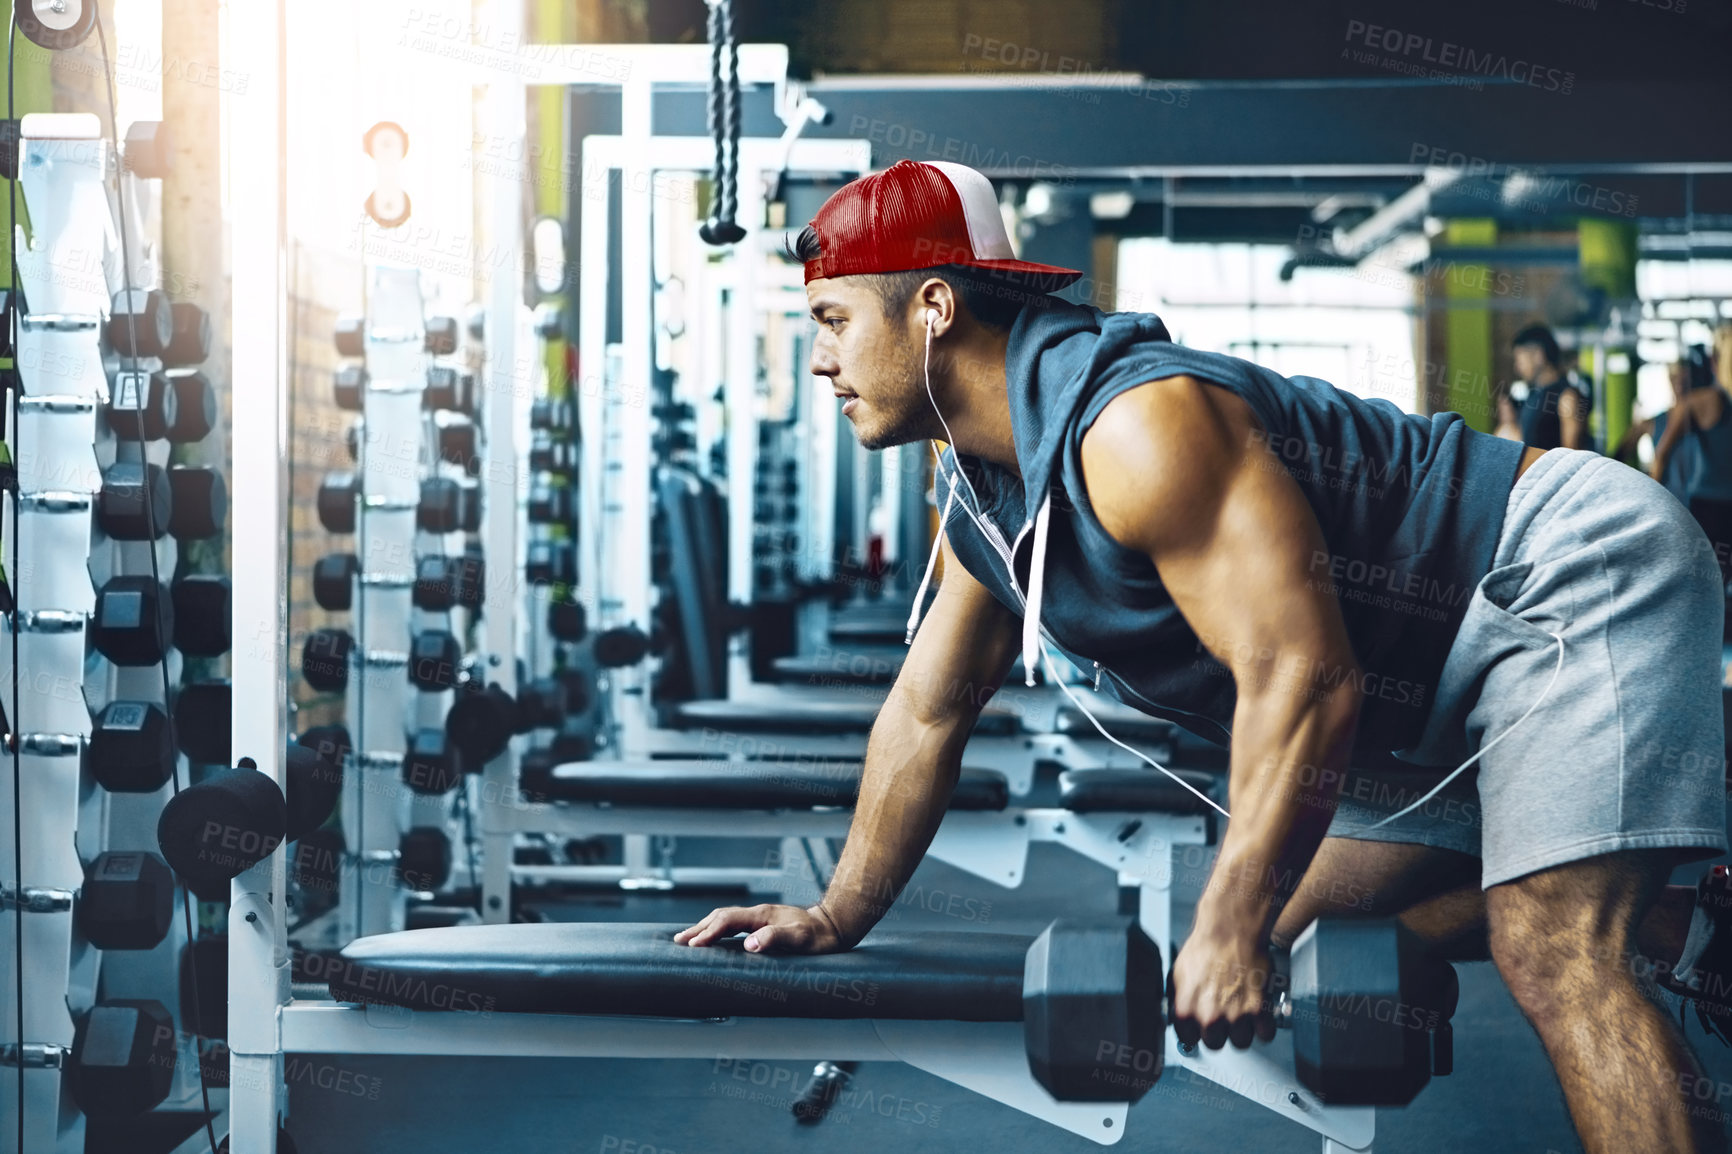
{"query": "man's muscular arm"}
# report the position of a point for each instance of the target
(958, 659)
(1181, 471)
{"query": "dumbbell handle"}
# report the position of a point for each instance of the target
(1281, 1011)
(37, 901)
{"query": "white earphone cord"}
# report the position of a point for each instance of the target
(1052, 669)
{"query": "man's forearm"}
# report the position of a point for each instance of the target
(910, 772)
(1289, 756)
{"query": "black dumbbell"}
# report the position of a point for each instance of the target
(424, 858)
(196, 406)
(334, 581)
(435, 659)
(541, 704)
(201, 615)
(123, 1056)
(549, 504)
(550, 563)
(325, 659)
(441, 336)
(449, 506)
(551, 454)
(201, 501)
(140, 323)
(214, 831)
(131, 747)
(350, 335)
(133, 621)
(457, 446)
(338, 493)
(314, 782)
(330, 742)
(481, 722)
(142, 405)
(445, 582)
(1369, 1013)
(135, 503)
(620, 646)
(350, 387)
(202, 713)
(551, 414)
(431, 764)
(567, 621)
(127, 901)
(190, 344)
(449, 390)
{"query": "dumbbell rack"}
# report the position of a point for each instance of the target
(59, 448)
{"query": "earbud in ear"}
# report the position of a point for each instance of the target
(931, 317)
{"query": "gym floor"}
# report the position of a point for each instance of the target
(1502, 1097)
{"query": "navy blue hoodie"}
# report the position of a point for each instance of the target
(1410, 508)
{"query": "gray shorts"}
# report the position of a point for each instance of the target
(1627, 749)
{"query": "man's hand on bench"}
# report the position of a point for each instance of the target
(770, 929)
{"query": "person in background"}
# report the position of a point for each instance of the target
(1693, 439)
(1549, 408)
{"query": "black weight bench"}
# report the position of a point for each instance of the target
(638, 970)
(791, 715)
(730, 785)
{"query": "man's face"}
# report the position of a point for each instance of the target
(1528, 361)
(873, 362)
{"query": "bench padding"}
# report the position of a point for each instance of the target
(637, 969)
(1133, 791)
(793, 715)
(744, 785)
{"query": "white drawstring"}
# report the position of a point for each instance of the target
(931, 564)
(1031, 647)
(1484, 749)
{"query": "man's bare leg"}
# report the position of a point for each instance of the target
(1561, 938)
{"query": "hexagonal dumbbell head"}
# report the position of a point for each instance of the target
(441, 336)
(1363, 1003)
(140, 323)
(567, 620)
(133, 621)
(424, 858)
(449, 390)
(142, 406)
(334, 581)
(201, 615)
(201, 502)
(336, 502)
(1091, 1011)
(131, 748)
(435, 659)
(480, 722)
(349, 387)
(123, 1056)
(325, 659)
(190, 344)
(135, 503)
(431, 764)
(127, 901)
(196, 406)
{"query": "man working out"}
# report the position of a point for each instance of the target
(1324, 580)
(1545, 409)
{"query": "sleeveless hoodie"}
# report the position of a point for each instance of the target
(1410, 508)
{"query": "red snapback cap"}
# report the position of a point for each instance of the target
(917, 215)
